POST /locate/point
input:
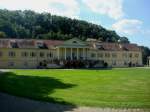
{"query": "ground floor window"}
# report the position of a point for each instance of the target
(11, 64)
(50, 55)
(125, 63)
(114, 62)
(93, 55)
(1, 54)
(25, 64)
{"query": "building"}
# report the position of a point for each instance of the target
(148, 61)
(23, 53)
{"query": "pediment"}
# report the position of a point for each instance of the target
(75, 42)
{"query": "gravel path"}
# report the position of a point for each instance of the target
(9, 103)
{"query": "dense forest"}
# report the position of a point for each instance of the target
(31, 25)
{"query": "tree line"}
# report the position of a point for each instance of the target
(29, 24)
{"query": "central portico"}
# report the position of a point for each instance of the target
(73, 49)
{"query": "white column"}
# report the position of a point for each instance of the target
(96, 55)
(71, 53)
(77, 53)
(58, 54)
(65, 53)
(83, 53)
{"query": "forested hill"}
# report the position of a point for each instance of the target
(28, 24)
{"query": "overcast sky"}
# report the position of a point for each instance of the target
(130, 18)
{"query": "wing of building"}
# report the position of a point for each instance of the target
(23, 53)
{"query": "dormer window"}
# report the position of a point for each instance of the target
(39, 44)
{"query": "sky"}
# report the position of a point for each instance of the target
(130, 18)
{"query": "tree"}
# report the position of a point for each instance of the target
(124, 40)
(2, 35)
(145, 54)
(29, 24)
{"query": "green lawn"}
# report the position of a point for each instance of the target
(118, 88)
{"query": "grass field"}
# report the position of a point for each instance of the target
(118, 88)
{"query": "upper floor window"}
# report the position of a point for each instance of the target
(114, 55)
(107, 55)
(41, 54)
(32, 54)
(100, 55)
(12, 54)
(24, 54)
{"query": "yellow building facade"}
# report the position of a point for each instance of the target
(25, 54)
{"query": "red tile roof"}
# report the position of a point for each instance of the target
(132, 47)
(27, 43)
(33, 43)
(117, 47)
(4, 43)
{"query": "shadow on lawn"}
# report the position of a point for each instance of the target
(34, 87)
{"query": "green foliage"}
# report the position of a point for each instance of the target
(117, 88)
(2, 34)
(145, 54)
(28, 24)
(124, 40)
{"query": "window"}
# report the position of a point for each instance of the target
(25, 64)
(124, 55)
(32, 54)
(49, 55)
(100, 55)
(136, 55)
(93, 55)
(125, 63)
(130, 55)
(1, 54)
(11, 64)
(41, 54)
(12, 54)
(24, 54)
(107, 55)
(114, 55)
(114, 62)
